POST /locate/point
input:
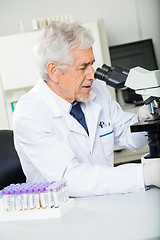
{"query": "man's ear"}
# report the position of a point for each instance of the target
(52, 71)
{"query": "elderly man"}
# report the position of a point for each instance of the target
(67, 125)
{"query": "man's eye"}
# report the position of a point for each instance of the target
(82, 68)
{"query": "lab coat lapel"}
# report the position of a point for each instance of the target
(73, 125)
(92, 112)
(92, 117)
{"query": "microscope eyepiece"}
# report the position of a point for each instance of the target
(106, 68)
(113, 76)
(100, 74)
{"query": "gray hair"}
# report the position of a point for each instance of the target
(55, 43)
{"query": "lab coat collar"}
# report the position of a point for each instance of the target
(56, 104)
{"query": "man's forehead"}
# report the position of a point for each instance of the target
(83, 56)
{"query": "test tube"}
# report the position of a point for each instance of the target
(1, 202)
(24, 199)
(18, 199)
(43, 197)
(55, 196)
(12, 206)
(66, 190)
(50, 198)
(36, 197)
(6, 199)
(63, 197)
(60, 193)
(31, 199)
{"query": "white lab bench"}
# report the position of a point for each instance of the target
(131, 216)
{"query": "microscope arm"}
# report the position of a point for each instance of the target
(144, 82)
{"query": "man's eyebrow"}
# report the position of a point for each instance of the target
(86, 64)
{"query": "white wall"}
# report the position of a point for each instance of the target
(125, 20)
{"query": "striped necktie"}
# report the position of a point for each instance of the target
(77, 113)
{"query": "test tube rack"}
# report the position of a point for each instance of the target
(28, 201)
(38, 213)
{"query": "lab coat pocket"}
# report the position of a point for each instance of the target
(106, 131)
(107, 139)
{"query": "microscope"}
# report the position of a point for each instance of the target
(147, 84)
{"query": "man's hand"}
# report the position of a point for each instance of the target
(144, 113)
(152, 173)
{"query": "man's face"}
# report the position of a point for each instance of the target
(75, 83)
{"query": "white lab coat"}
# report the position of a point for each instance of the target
(52, 145)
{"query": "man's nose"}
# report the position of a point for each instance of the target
(90, 73)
